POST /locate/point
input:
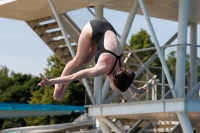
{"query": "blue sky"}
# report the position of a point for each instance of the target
(21, 50)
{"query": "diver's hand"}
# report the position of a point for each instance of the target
(44, 82)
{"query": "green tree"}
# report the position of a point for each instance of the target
(5, 81)
(15, 88)
(18, 87)
(140, 41)
(74, 95)
(13, 122)
(171, 63)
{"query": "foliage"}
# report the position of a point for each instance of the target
(22, 88)
(54, 67)
(171, 63)
(74, 95)
(15, 88)
(140, 41)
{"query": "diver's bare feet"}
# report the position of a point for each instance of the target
(59, 91)
(142, 89)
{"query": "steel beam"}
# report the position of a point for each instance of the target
(185, 122)
(111, 125)
(135, 126)
(129, 23)
(193, 57)
(193, 91)
(104, 127)
(160, 53)
(181, 62)
(61, 27)
(69, 45)
(181, 50)
(98, 81)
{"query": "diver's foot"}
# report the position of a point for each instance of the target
(58, 91)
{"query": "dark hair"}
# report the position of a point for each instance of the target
(122, 78)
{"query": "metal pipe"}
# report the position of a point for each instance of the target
(193, 91)
(181, 50)
(160, 54)
(105, 89)
(180, 64)
(104, 127)
(98, 81)
(61, 27)
(193, 57)
(185, 122)
(69, 45)
(145, 65)
(99, 12)
(110, 98)
(135, 126)
(88, 90)
(163, 80)
(129, 23)
(122, 42)
(111, 125)
(147, 83)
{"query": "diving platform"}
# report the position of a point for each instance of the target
(165, 110)
(171, 103)
(39, 9)
(10, 110)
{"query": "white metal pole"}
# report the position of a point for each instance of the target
(98, 81)
(69, 45)
(193, 91)
(193, 57)
(147, 80)
(185, 122)
(122, 41)
(180, 65)
(181, 50)
(99, 12)
(105, 89)
(111, 125)
(129, 23)
(104, 127)
(163, 80)
(160, 54)
(61, 27)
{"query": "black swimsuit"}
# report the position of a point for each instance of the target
(99, 27)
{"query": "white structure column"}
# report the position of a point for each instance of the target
(181, 50)
(99, 12)
(98, 81)
(122, 41)
(193, 57)
(181, 62)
